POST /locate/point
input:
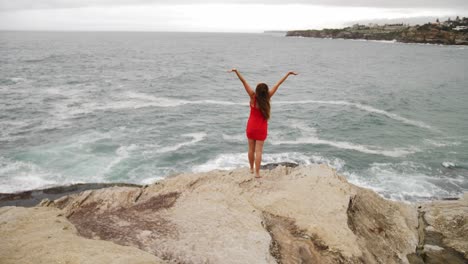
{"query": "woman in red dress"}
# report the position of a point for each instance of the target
(257, 126)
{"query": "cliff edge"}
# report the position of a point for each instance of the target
(293, 215)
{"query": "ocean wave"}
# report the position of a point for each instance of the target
(441, 144)
(122, 153)
(406, 181)
(150, 180)
(305, 129)
(397, 152)
(12, 80)
(173, 102)
(6, 124)
(132, 100)
(235, 138)
(89, 157)
(196, 137)
(150, 100)
(71, 108)
(217, 102)
(11, 130)
(309, 136)
(449, 164)
(76, 105)
(366, 108)
(237, 160)
(21, 175)
(53, 57)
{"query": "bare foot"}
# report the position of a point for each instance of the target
(251, 171)
(258, 176)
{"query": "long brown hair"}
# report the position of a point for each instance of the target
(263, 99)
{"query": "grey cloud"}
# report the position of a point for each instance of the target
(51, 4)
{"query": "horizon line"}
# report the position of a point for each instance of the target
(134, 31)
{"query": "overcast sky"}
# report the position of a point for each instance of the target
(216, 16)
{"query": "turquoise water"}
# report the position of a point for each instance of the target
(136, 107)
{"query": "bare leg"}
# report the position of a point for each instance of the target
(251, 154)
(258, 157)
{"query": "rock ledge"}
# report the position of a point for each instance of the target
(292, 215)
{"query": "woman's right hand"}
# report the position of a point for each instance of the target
(292, 73)
(233, 70)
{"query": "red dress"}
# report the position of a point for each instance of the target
(257, 126)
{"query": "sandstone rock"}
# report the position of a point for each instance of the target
(38, 236)
(444, 231)
(291, 215)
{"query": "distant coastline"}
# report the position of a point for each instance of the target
(450, 32)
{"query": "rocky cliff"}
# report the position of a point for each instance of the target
(292, 215)
(432, 34)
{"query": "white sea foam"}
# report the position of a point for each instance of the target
(122, 153)
(196, 137)
(158, 101)
(367, 108)
(305, 129)
(129, 100)
(145, 100)
(150, 180)
(77, 159)
(26, 182)
(235, 138)
(19, 175)
(217, 102)
(309, 136)
(17, 79)
(81, 140)
(448, 164)
(237, 160)
(440, 143)
(397, 152)
(402, 181)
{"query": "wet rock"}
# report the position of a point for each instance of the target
(443, 232)
(271, 166)
(34, 197)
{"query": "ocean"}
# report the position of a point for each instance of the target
(80, 107)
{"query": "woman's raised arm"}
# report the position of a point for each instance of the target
(249, 90)
(277, 85)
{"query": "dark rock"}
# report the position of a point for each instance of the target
(432, 247)
(290, 244)
(34, 197)
(91, 222)
(271, 166)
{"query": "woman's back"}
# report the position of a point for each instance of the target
(257, 125)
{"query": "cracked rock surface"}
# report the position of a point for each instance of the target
(292, 215)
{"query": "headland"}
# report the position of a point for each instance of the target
(305, 214)
(450, 32)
